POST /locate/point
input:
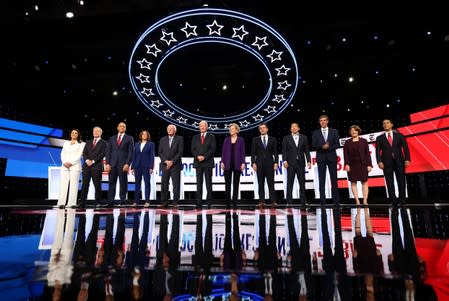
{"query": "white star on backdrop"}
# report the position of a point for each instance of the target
(170, 35)
(189, 30)
(143, 78)
(215, 25)
(227, 125)
(282, 70)
(168, 113)
(147, 92)
(182, 119)
(270, 109)
(244, 123)
(213, 127)
(156, 103)
(195, 124)
(153, 50)
(258, 117)
(275, 55)
(258, 44)
(279, 98)
(144, 64)
(283, 85)
(239, 32)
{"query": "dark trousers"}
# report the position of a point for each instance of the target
(117, 172)
(299, 172)
(95, 175)
(399, 171)
(175, 174)
(322, 178)
(265, 171)
(139, 173)
(205, 172)
(228, 175)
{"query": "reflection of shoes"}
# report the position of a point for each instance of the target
(147, 204)
(175, 204)
(163, 205)
(261, 204)
(274, 204)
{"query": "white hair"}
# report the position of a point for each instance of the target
(172, 125)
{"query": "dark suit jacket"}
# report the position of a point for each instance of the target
(384, 152)
(207, 150)
(290, 151)
(318, 142)
(365, 156)
(97, 154)
(261, 155)
(173, 153)
(239, 154)
(119, 155)
(145, 158)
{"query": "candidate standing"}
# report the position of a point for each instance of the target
(142, 166)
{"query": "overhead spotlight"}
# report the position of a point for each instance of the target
(343, 40)
(205, 4)
(429, 33)
(81, 2)
(36, 7)
(69, 14)
(388, 105)
(26, 13)
(115, 93)
(224, 87)
(351, 79)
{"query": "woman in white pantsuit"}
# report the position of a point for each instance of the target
(71, 169)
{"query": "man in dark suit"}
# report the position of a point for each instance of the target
(171, 148)
(295, 152)
(93, 155)
(264, 159)
(393, 156)
(203, 151)
(119, 154)
(325, 141)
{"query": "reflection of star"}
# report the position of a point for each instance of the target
(182, 119)
(143, 78)
(145, 64)
(283, 85)
(195, 124)
(213, 127)
(147, 92)
(282, 70)
(270, 109)
(275, 55)
(208, 298)
(156, 103)
(258, 117)
(165, 35)
(152, 50)
(215, 25)
(279, 98)
(168, 113)
(244, 123)
(189, 30)
(258, 44)
(239, 32)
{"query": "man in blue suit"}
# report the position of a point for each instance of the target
(325, 141)
(119, 154)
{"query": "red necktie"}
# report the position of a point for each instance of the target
(202, 138)
(390, 139)
(119, 140)
(95, 142)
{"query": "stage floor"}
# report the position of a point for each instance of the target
(223, 253)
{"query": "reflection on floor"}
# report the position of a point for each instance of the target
(185, 253)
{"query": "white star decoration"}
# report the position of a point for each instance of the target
(283, 85)
(244, 123)
(213, 127)
(195, 124)
(270, 109)
(144, 64)
(182, 119)
(168, 113)
(275, 55)
(153, 50)
(282, 70)
(217, 27)
(189, 30)
(143, 78)
(239, 32)
(258, 117)
(147, 92)
(156, 103)
(279, 98)
(258, 44)
(227, 125)
(165, 35)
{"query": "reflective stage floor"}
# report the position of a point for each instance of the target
(244, 253)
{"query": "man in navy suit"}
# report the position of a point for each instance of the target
(325, 141)
(171, 148)
(119, 154)
(295, 153)
(393, 156)
(264, 159)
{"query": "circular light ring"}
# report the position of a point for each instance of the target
(220, 26)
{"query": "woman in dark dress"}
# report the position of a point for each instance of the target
(357, 162)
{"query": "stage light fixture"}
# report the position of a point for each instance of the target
(69, 15)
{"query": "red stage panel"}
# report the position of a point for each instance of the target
(429, 114)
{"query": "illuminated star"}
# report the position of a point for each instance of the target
(279, 98)
(195, 124)
(156, 103)
(143, 78)
(217, 29)
(258, 117)
(168, 113)
(182, 119)
(258, 43)
(244, 123)
(239, 32)
(213, 127)
(275, 55)
(153, 50)
(189, 30)
(164, 38)
(283, 85)
(209, 298)
(227, 125)
(270, 109)
(282, 70)
(147, 92)
(145, 64)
